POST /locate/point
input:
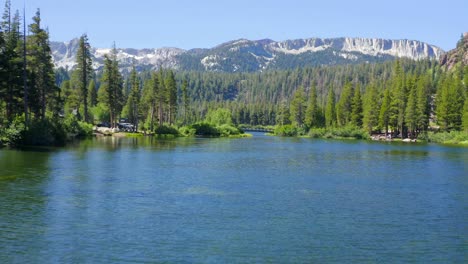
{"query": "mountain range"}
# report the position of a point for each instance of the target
(255, 56)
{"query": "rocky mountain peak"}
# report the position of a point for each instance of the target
(459, 54)
(245, 55)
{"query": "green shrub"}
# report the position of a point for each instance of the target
(228, 130)
(317, 132)
(350, 132)
(205, 130)
(45, 132)
(13, 135)
(166, 130)
(218, 117)
(453, 137)
(286, 131)
(77, 129)
(187, 131)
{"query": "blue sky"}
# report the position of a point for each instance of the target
(206, 23)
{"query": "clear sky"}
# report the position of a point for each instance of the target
(206, 23)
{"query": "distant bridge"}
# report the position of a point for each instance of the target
(251, 129)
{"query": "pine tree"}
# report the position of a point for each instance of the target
(185, 101)
(298, 107)
(283, 116)
(132, 107)
(398, 103)
(330, 112)
(450, 100)
(465, 113)
(312, 116)
(423, 93)
(84, 71)
(171, 90)
(384, 113)
(11, 65)
(161, 97)
(111, 85)
(356, 107)
(411, 119)
(42, 79)
(92, 94)
(370, 108)
(343, 108)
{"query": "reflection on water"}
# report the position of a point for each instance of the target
(260, 199)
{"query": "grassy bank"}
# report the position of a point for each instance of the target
(347, 132)
(454, 137)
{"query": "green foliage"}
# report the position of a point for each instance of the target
(45, 132)
(344, 106)
(465, 112)
(166, 130)
(370, 108)
(13, 135)
(226, 130)
(313, 116)
(100, 112)
(205, 130)
(349, 131)
(187, 131)
(330, 110)
(298, 107)
(286, 131)
(77, 129)
(356, 108)
(317, 132)
(452, 137)
(83, 73)
(220, 116)
(131, 109)
(110, 93)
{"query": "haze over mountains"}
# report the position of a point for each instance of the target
(252, 56)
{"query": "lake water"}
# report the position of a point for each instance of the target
(252, 200)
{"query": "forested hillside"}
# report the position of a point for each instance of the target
(40, 105)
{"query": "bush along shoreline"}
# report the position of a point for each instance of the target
(353, 132)
(44, 132)
(347, 132)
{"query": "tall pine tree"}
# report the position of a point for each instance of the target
(84, 71)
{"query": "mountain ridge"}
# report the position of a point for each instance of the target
(243, 55)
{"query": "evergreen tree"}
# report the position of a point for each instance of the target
(111, 85)
(283, 116)
(298, 107)
(330, 112)
(385, 108)
(132, 107)
(411, 118)
(11, 65)
(356, 107)
(84, 71)
(92, 94)
(398, 103)
(171, 90)
(343, 108)
(450, 99)
(185, 101)
(370, 108)
(423, 93)
(42, 79)
(312, 116)
(465, 113)
(161, 97)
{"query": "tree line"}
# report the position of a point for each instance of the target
(404, 98)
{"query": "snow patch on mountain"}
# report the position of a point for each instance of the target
(231, 56)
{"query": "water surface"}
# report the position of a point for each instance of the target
(260, 199)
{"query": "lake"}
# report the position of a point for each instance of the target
(250, 200)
